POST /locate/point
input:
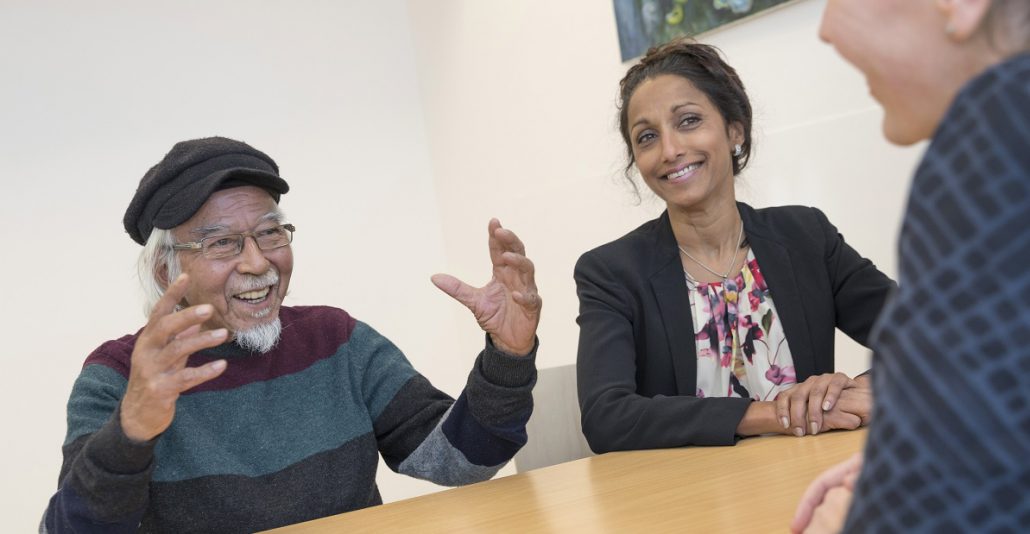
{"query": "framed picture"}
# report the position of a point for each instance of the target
(646, 23)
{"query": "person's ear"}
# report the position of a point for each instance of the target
(963, 18)
(736, 133)
(161, 272)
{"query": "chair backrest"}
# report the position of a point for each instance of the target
(555, 431)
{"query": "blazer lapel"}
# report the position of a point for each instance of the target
(670, 292)
(774, 260)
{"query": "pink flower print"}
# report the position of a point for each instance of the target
(756, 273)
(779, 376)
(707, 303)
(755, 298)
(718, 309)
(700, 393)
(727, 356)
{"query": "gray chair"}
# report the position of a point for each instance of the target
(555, 431)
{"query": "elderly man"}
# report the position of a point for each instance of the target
(229, 412)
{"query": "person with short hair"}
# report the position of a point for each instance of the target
(231, 412)
(716, 320)
(948, 450)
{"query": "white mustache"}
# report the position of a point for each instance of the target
(248, 282)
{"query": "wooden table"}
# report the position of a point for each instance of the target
(751, 487)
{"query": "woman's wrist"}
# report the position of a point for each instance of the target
(760, 418)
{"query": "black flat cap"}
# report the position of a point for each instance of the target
(174, 189)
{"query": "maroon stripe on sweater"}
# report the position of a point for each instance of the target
(310, 334)
(115, 354)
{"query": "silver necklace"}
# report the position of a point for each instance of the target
(733, 260)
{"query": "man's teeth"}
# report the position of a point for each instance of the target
(684, 171)
(254, 295)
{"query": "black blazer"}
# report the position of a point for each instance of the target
(637, 363)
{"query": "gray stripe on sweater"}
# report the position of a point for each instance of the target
(438, 461)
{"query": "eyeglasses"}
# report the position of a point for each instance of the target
(228, 245)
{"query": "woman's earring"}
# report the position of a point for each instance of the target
(949, 29)
(737, 150)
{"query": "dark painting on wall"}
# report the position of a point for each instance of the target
(645, 23)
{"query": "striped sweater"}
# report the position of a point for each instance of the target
(282, 437)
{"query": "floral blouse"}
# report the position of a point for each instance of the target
(741, 348)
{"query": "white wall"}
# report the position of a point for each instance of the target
(520, 109)
(402, 128)
(95, 93)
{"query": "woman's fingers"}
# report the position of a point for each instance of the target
(838, 382)
(783, 408)
(799, 407)
(823, 395)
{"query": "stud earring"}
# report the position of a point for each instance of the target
(949, 29)
(737, 150)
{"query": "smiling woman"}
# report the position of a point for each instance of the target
(716, 320)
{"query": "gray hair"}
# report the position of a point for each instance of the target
(157, 253)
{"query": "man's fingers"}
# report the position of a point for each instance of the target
(162, 331)
(510, 240)
(493, 243)
(517, 273)
(191, 331)
(172, 296)
(175, 353)
(190, 377)
(458, 290)
(530, 301)
(518, 262)
(503, 240)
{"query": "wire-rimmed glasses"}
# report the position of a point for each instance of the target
(228, 245)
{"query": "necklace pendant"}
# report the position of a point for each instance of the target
(733, 260)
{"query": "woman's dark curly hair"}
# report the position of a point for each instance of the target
(702, 66)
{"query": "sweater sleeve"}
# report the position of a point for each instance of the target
(424, 433)
(615, 415)
(105, 476)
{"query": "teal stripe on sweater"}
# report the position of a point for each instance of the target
(264, 427)
(95, 395)
(379, 365)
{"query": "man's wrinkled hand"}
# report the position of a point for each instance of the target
(159, 374)
(508, 306)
